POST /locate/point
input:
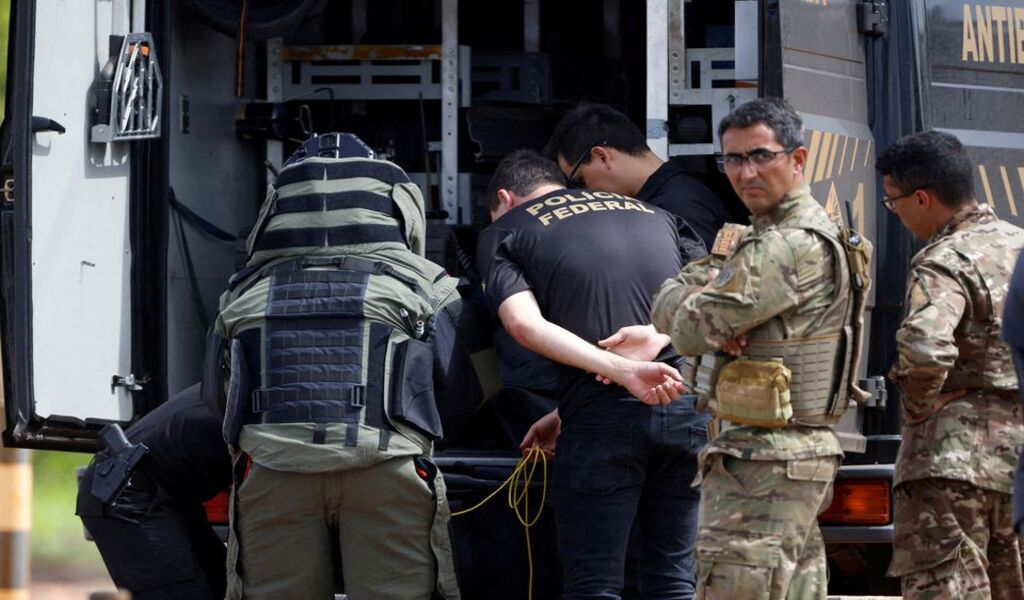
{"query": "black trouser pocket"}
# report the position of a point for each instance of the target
(412, 391)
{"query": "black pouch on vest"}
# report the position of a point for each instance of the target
(412, 391)
(239, 393)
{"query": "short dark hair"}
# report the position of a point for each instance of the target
(589, 125)
(930, 159)
(522, 172)
(775, 113)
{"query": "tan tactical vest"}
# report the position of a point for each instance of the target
(805, 381)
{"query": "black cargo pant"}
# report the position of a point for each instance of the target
(155, 539)
(154, 545)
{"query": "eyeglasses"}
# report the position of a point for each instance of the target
(570, 179)
(890, 202)
(758, 158)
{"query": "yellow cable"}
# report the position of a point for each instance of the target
(518, 484)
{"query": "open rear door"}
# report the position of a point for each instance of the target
(70, 237)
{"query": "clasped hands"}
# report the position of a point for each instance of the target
(651, 382)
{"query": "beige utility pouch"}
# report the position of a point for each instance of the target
(754, 392)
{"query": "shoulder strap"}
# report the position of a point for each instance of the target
(343, 263)
(853, 260)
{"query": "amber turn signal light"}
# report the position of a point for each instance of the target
(859, 502)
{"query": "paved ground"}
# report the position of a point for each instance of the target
(64, 584)
(68, 590)
(79, 586)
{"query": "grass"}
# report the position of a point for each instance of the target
(58, 545)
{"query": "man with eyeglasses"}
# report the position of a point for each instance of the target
(779, 296)
(598, 147)
(962, 429)
(563, 269)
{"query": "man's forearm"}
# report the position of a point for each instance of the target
(561, 345)
(919, 383)
(651, 382)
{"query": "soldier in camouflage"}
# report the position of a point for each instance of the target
(962, 427)
(784, 279)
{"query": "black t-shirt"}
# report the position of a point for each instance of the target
(187, 454)
(522, 368)
(594, 261)
(678, 193)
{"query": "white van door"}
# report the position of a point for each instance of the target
(71, 239)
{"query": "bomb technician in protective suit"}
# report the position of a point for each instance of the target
(345, 359)
(784, 297)
(141, 500)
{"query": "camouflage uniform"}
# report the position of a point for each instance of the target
(762, 488)
(954, 473)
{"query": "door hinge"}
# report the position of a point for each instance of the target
(9, 189)
(128, 382)
(873, 17)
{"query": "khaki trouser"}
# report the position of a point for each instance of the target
(955, 540)
(392, 531)
(758, 537)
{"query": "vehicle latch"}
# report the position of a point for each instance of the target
(873, 17)
(9, 189)
(128, 382)
(876, 387)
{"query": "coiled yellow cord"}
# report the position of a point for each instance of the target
(518, 484)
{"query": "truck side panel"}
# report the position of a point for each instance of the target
(973, 65)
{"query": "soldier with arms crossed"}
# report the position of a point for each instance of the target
(785, 298)
(962, 427)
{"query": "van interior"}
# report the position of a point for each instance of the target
(443, 88)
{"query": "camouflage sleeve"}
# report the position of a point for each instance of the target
(924, 341)
(694, 275)
(759, 282)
